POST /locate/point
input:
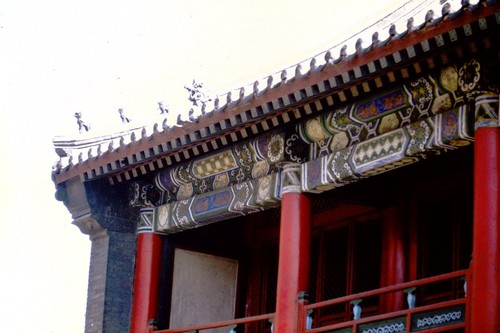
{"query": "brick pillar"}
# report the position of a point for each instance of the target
(485, 311)
(94, 317)
(147, 274)
(294, 251)
(110, 277)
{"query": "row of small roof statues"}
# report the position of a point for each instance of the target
(197, 97)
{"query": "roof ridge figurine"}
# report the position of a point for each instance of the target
(164, 109)
(81, 124)
(123, 116)
(197, 95)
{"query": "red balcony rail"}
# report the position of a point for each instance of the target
(227, 323)
(440, 316)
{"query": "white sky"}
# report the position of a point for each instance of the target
(60, 57)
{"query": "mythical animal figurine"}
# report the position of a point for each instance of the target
(196, 94)
(192, 117)
(163, 109)
(123, 116)
(81, 123)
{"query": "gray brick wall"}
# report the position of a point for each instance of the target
(120, 280)
(111, 277)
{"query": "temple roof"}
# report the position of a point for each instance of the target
(338, 74)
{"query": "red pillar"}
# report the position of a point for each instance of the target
(485, 312)
(393, 260)
(293, 267)
(147, 277)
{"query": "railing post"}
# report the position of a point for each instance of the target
(468, 303)
(356, 308)
(305, 322)
(152, 326)
(411, 298)
(464, 285)
(309, 320)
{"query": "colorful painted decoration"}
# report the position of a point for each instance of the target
(232, 201)
(422, 117)
(249, 160)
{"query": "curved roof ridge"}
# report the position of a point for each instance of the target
(340, 48)
(149, 140)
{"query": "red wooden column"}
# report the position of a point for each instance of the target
(147, 274)
(294, 251)
(393, 259)
(485, 312)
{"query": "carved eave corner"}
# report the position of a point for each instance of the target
(74, 196)
(89, 226)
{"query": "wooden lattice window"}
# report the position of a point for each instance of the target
(445, 241)
(347, 260)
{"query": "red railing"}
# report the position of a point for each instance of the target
(226, 323)
(406, 316)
